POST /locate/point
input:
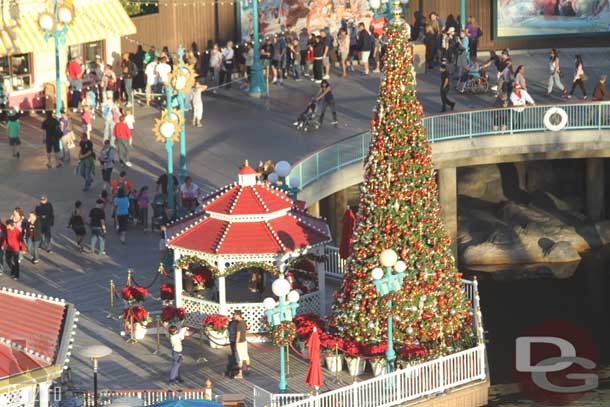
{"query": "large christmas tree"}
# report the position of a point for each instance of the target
(399, 210)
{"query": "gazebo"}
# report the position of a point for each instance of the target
(246, 225)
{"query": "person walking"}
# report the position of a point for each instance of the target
(143, 205)
(474, 33)
(241, 345)
(44, 211)
(554, 75)
(343, 42)
(129, 70)
(303, 47)
(519, 98)
(110, 113)
(328, 100)
(106, 158)
(318, 56)
(52, 135)
(365, 45)
(327, 42)
(601, 92)
(197, 96)
(121, 211)
(97, 223)
(67, 137)
(77, 224)
(445, 89)
(13, 127)
(189, 192)
(86, 158)
(151, 79)
(13, 245)
(215, 65)
(520, 77)
(176, 336)
(122, 134)
(33, 236)
(109, 81)
(579, 78)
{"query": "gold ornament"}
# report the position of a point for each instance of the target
(182, 78)
(175, 119)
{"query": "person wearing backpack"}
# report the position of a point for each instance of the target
(86, 158)
(121, 183)
(129, 70)
(106, 158)
(122, 134)
(52, 135)
(77, 224)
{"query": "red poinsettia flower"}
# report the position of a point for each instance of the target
(216, 322)
(139, 293)
(305, 324)
(373, 349)
(351, 348)
(138, 313)
(330, 342)
(126, 294)
(166, 290)
(412, 352)
(170, 313)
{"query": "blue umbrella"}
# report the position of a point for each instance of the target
(187, 403)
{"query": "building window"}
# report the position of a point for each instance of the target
(16, 72)
(88, 51)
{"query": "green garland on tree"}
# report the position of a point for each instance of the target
(399, 210)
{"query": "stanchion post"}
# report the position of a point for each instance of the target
(132, 338)
(158, 348)
(111, 314)
(337, 380)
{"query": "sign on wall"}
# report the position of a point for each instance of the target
(527, 18)
(279, 15)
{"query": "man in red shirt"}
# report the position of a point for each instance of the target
(122, 135)
(75, 74)
(13, 244)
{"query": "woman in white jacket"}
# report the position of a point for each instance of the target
(579, 78)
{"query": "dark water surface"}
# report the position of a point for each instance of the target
(514, 298)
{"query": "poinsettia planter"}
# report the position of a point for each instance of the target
(334, 363)
(378, 366)
(218, 339)
(355, 365)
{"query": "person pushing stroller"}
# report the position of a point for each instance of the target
(328, 100)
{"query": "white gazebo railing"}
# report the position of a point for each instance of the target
(264, 398)
(406, 384)
(107, 397)
(335, 265)
(253, 312)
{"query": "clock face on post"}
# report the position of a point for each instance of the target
(182, 78)
(167, 128)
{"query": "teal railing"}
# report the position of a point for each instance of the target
(442, 127)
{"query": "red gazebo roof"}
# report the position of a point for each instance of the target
(248, 218)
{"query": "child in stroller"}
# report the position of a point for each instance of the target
(307, 120)
(474, 80)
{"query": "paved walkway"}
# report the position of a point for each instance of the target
(235, 128)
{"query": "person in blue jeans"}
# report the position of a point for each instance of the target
(121, 211)
(328, 100)
(97, 223)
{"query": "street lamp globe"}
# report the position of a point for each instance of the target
(273, 177)
(400, 266)
(282, 168)
(404, 2)
(46, 21)
(96, 351)
(269, 303)
(167, 129)
(375, 4)
(65, 14)
(293, 296)
(388, 258)
(377, 273)
(280, 287)
(294, 183)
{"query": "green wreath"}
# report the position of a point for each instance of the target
(309, 256)
(252, 264)
(185, 263)
(283, 334)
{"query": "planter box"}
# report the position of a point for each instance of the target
(139, 331)
(334, 363)
(355, 366)
(217, 340)
(378, 366)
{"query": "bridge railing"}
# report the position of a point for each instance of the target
(473, 123)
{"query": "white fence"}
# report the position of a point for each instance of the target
(263, 398)
(335, 265)
(253, 312)
(406, 384)
(107, 397)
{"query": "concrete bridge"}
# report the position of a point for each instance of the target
(580, 130)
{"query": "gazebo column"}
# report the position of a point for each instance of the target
(222, 289)
(177, 280)
(321, 269)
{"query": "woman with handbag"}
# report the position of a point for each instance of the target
(555, 75)
(189, 192)
(77, 224)
(579, 78)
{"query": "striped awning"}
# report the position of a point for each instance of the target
(94, 20)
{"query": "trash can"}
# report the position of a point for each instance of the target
(49, 95)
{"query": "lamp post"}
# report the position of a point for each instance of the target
(183, 126)
(283, 311)
(257, 82)
(386, 284)
(94, 353)
(63, 14)
(463, 14)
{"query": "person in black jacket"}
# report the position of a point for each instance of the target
(365, 45)
(44, 211)
(129, 70)
(33, 236)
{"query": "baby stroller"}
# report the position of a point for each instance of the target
(475, 81)
(159, 216)
(308, 119)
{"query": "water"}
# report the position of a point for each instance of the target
(517, 297)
